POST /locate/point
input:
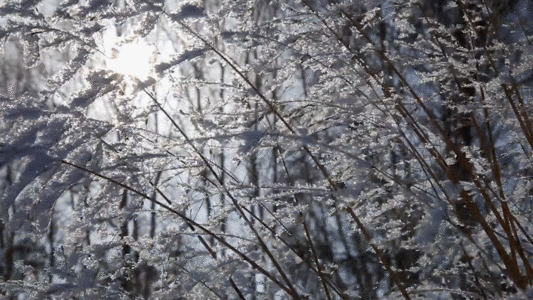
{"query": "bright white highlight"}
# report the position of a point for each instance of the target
(132, 59)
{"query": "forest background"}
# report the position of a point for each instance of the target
(313, 149)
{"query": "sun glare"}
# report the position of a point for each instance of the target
(132, 59)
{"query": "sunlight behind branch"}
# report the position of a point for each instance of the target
(134, 59)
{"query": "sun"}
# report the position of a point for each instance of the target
(132, 59)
